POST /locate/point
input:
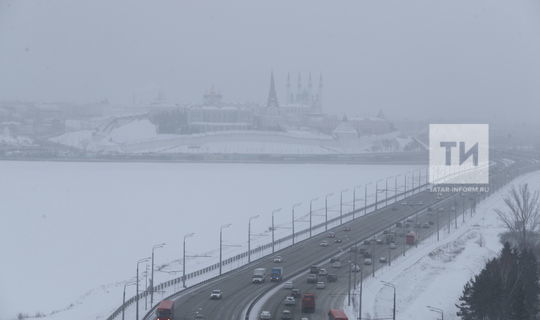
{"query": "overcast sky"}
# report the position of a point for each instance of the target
(415, 58)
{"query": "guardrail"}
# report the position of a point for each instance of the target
(241, 256)
(379, 205)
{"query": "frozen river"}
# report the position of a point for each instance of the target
(68, 228)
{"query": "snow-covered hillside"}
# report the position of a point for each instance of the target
(434, 273)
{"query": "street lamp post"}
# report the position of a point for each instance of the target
(184, 258)
(377, 194)
(157, 246)
(365, 197)
(310, 215)
(137, 286)
(388, 284)
(326, 211)
(293, 219)
(221, 245)
(274, 228)
(249, 236)
(437, 310)
(124, 298)
(386, 192)
(341, 205)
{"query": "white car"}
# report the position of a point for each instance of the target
(265, 315)
(336, 264)
(367, 261)
(288, 285)
(324, 244)
(320, 285)
(323, 272)
(393, 245)
(383, 260)
(289, 301)
(278, 259)
(216, 294)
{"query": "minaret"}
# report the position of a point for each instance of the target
(299, 89)
(289, 94)
(319, 94)
(272, 95)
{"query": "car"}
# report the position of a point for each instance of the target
(304, 318)
(198, 316)
(288, 285)
(331, 277)
(366, 255)
(289, 301)
(324, 244)
(392, 245)
(286, 315)
(379, 241)
(338, 240)
(334, 259)
(265, 315)
(386, 231)
(311, 278)
(399, 224)
(431, 223)
(362, 250)
(346, 229)
(336, 264)
(295, 292)
(331, 234)
(407, 225)
(418, 225)
(216, 294)
(425, 225)
(383, 260)
(278, 259)
(320, 285)
(323, 272)
(429, 209)
(366, 242)
(368, 261)
(409, 220)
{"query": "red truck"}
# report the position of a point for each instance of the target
(165, 310)
(308, 303)
(410, 238)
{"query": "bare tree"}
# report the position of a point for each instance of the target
(522, 213)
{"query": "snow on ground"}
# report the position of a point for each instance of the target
(139, 136)
(70, 233)
(434, 273)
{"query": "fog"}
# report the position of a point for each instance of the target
(416, 59)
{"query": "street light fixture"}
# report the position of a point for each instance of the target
(341, 205)
(273, 227)
(292, 220)
(224, 226)
(137, 286)
(377, 194)
(189, 235)
(310, 215)
(326, 210)
(126, 284)
(438, 310)
(391, 285)
(157, 246)
(249, 236)
(365, 197)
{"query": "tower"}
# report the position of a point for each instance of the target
(289, 93)
(272, 95)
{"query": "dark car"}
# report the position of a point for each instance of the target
(331, 277)
(295, 292)
(337, 240)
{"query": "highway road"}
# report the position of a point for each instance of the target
(239, 292)
(238, 289)
(334, 295)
